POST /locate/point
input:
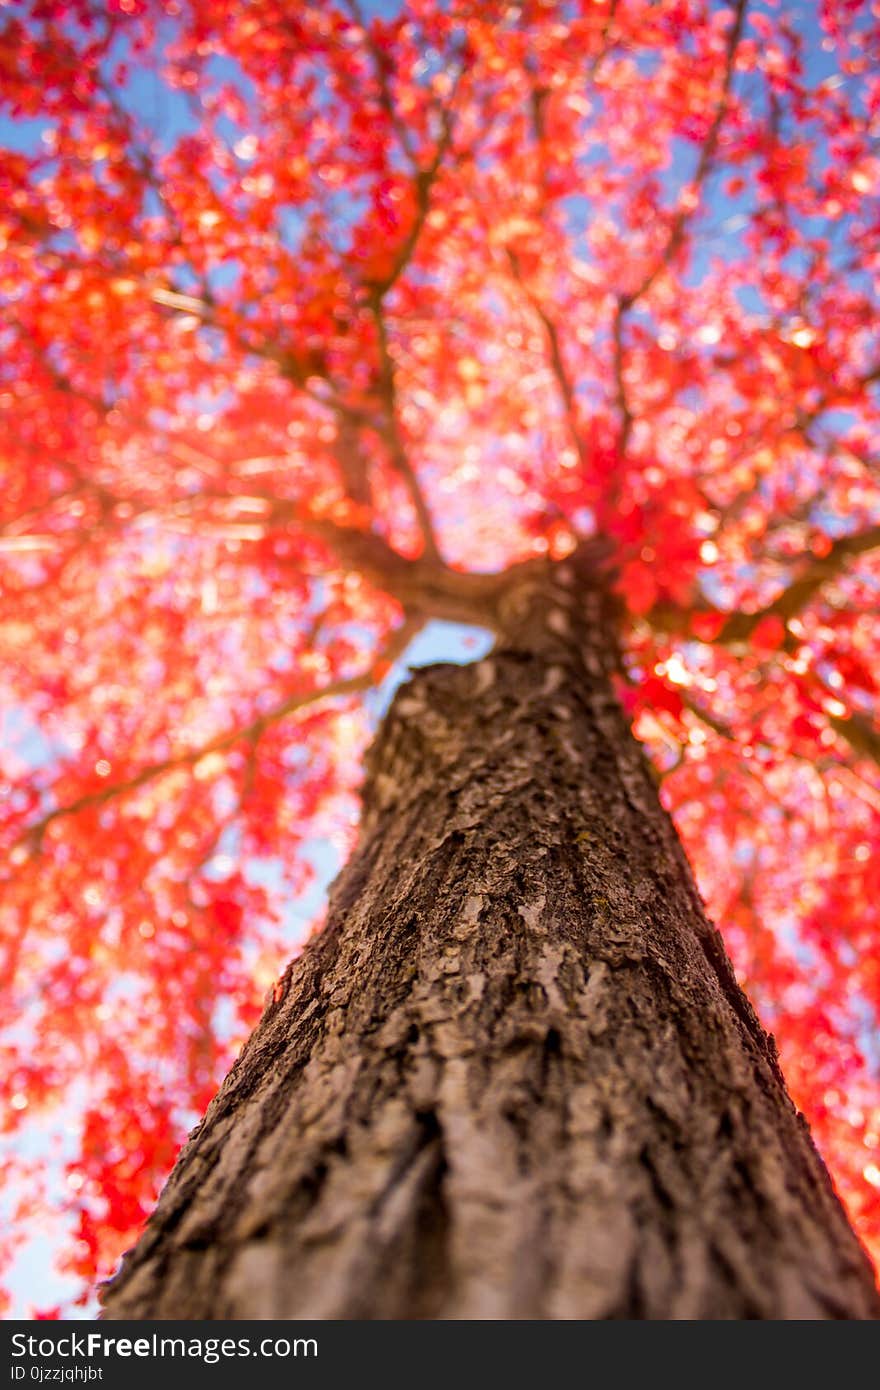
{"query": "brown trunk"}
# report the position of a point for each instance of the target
(515, 1076)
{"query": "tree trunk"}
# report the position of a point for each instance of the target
(515, 1076)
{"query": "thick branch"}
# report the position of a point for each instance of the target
(426, 587)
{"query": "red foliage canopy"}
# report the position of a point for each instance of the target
(305, 303)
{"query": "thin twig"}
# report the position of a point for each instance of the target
(381, 67)
(557, 364)
(394, 440)
(796, 595)
(678, 227)
(424, 181)
(247, 733)
(704, 164)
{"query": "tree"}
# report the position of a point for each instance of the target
(551, 319)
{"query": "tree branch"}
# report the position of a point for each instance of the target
(393, 439)
(627, 419)
(859, 732)
(740, 626)
(424, 182)
(704, 164)
(381, 68)
(560, 373)
(718, 726)
(605, 44)
(250, 733)
(677, 229)
(284, 359)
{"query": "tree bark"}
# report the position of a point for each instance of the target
(515, 1076)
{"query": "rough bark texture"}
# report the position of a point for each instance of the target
(515, 1076)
